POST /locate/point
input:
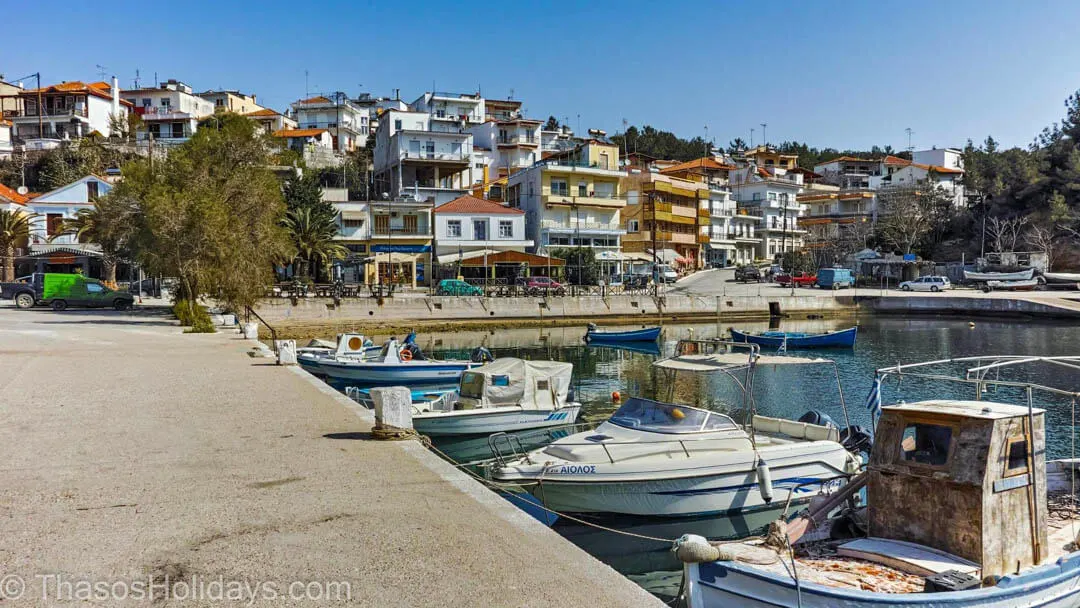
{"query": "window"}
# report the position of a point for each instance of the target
(559, 187)
(604, 189)
(757, 196)
(92, 191)
(506, 229)
(52, 223)
(147, 102)
(352, 223)
(1016, 462)
(453, 229)
(582, 189)
(155, 130)
(178, 129)
(165, 101)
(94, 288)
(632, 225)
(926, 444)
(219, 102)
(479, 165)
(429, 149)
(397, 125)
(772, 196)
(332, 125)
(604, 163)
(480, 230)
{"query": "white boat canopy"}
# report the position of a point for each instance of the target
(730, 361)
(509, 381)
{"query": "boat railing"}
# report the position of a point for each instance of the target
(611, 458)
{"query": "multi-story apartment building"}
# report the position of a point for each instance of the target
(69, 110)
(400, 241)
(943, 167)
(6, 146)
(515, 143)
(10, 101)
(767, 157)
(502, 109)
(232, 101)
(559, 140)
(572, 198)
(667, 213)
(421, 156)
(346, 121)
(170, 113)
(470, 228)
(772, 196)
(353, 231)
(316, 146)
(452, 110)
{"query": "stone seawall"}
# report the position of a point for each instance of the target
(1053, 308)
(449, 308)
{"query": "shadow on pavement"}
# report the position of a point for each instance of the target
(351, 436)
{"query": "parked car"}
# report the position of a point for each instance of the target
(457, 287)
(931, 283)
(665, 274)
(537, 285)
(835, 278)
(62, 290)
(748, 273)
(799, 278)
(634, 280)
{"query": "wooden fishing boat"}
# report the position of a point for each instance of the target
(843, 338)
(648, 334)
(1062, 278)
(982, 277)
(1028, 285)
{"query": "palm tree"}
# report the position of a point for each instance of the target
(93, 226)
(14, 229)
(312, 235)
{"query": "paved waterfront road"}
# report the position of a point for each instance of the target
(129, 451)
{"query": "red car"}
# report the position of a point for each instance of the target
(800, 279)
(538, 285)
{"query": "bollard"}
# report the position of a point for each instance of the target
(286, 350)
(251, 330)
(228, 320)
(393, 407)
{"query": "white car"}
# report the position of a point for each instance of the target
(933, 283)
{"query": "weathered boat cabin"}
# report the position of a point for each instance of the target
(964, 477)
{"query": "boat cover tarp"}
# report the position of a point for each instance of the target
(512, 381)
(727, 361)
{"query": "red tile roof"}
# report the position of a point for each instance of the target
(471, 204)
(263, 112)
(896, 160)
(318, 99)
(299, 132)
(699, 163)
(937, 169)
(848, 159)
(11, 195)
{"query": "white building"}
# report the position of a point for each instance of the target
(419, 155)
(515, 144)
(943, 167)
(354, 232)
(232, 101)
(457, 110)
(6, 146)
(62, 204)
(67, 111)
(270, 121)
(558, 140)
(771, 195)
(170, 113)
(467, 227)
(347, 122)
(315, 145)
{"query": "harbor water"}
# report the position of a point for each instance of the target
(783, 391)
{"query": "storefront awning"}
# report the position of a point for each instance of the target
(400, 248)
(450, 258)
(667, 256)
(513, 257)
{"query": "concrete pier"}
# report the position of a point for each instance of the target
(132, 452)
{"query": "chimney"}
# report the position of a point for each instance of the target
(115, 97)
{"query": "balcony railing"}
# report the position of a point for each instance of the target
(393, 231)
(559, 198)
(574, 224)
(511, 140)
(574, 164)
(70, 112)
(429, 155)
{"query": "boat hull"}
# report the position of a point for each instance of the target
(637, 335)
(1062, 278)
(837, 339)
(387, 374)
(1023, 275)
(713, 490)
(722, 584)
(479, 422)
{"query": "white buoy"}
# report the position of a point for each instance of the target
(764, 480)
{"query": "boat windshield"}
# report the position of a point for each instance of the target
(472, 385)
(656, 417)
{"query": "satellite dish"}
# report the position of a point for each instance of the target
(22, 190)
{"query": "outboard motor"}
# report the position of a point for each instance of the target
(819, 418)
(856, 439)
(481, 354)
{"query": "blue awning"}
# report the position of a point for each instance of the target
(400, 248)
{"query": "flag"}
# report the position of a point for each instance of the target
(873, 400)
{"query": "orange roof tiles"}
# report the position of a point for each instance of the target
(13, 196)
(937, 169)
(471, 204)
(317, 99)
(299, 132)
(847, 159)
(263, 112)
(896, 160)
(97, 89)
(699, 163)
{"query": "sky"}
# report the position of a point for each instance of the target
(843, 74)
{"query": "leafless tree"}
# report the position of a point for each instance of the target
(908, 215)
(1005, 233)
(1043, 238)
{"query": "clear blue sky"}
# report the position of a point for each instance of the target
(840, 74)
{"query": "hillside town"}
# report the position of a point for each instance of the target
(462, 185)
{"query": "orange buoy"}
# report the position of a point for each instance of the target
(615, 397)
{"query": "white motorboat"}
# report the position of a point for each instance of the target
(664, 459)
(402, 364)
(958, 512)
(1062, 278)
(982, 277)
(1028, 285)
(507, 394)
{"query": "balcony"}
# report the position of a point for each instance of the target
(50, 112)
(403, 232)
(163, 113)
(574, 225)
(432, 156)
(573, 166)
(559, 199)
(517, 140)
(703, 239)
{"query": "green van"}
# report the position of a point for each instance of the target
(62, 290)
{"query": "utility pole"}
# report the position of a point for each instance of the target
(764, 140)
(910, 148)
(655, 270)
(751, 138)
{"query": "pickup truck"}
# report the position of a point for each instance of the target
(800, 279)
(62, 290)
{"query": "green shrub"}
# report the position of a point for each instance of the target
(202, 325)
(194, 316)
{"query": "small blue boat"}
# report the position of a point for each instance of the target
(648, 334)
(844, 338)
